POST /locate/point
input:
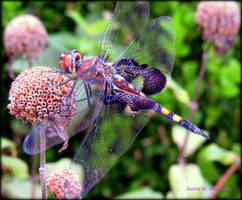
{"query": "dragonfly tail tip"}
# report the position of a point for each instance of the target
(204, 135)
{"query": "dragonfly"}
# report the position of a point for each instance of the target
(114, 89)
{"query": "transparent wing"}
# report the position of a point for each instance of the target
(56, 133)
(126, 23)
(53, 135)
(112, 132)
(155, 46)
(85, 110)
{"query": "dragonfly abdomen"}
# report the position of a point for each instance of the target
(133, 101)
(178, 120)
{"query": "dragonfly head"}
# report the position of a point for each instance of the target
(69, 62)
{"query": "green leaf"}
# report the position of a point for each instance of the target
(59, 165)
(169, 195)
(96, 28)
(62, 41)
(187, 181)
(87, 46)
(143, 193)
(236, 148)
(229, 77)
(49, 58)
(213, 114)
(78, 19)
(229, 89)
(223, 139)
(180, 93)
(189, 70)
(18, 126)
(213, 152)
(11, 9)
(19, 65)
(16, 188)
(209, 169)
(5, 143)
(17, 166)
(231, 188)
(231, 71)
(91, 30)
(193, 143)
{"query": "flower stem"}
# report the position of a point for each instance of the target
(10, 63)
(33, 174)
(224, 178)
(194, 104)
(33, 190)
(42, 169)
(29, 61)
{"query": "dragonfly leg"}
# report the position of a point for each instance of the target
(81, 100)
(64, 146)
(75, 114)
(72, 89)
(112, 96)
(66, 140)
(90, 90)
(61, 131)
(62, 95)
(87, 92)
(61, 84)
(59, 72)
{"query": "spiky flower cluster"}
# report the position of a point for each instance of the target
(58, 187)
(32, 101)
(219, 22)
(25, 34)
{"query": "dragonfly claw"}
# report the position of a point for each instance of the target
(64, 147)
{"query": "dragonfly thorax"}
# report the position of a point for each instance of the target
(105, 69)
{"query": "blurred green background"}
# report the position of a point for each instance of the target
(150, 167)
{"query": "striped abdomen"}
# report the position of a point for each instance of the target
(178, 120)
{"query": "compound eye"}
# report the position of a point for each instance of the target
(78, 57)
(61, 61)
(62, 55)
(72, 67)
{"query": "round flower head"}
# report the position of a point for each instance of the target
(32, 101)
(57, 185)
(25, 34)
(219, 22)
